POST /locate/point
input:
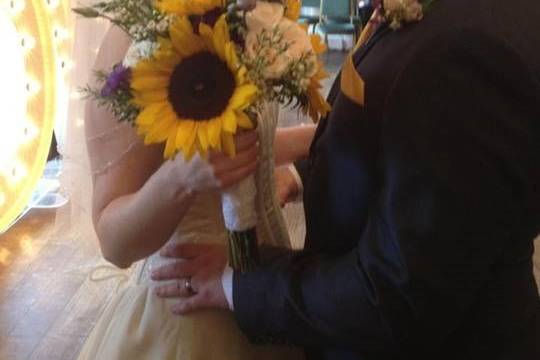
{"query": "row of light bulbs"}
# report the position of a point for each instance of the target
(53, 47)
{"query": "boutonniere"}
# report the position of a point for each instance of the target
(399, 12)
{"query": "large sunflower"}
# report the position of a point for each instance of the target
(189, 7)
(193, 93)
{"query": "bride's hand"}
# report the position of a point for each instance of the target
(202, 266)
(219, 171)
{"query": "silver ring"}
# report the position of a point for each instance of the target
(188, 286)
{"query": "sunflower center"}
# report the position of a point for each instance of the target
(201, 87)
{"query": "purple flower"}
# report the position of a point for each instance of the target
(118, 79)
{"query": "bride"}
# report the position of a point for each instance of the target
(140, 204)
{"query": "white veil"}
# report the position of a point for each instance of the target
(74, 220)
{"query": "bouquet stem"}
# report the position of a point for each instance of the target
(240, 216)
(243, 250)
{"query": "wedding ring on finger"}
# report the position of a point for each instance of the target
(188, 286)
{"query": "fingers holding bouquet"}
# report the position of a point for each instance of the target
(229, 171)
(218, 171)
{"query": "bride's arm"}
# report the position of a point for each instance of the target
(292, 144)
(138, 199)
(135, 206)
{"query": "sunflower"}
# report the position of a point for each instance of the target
(194, 92)
(189, 7)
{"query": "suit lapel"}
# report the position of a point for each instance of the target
(358, 56)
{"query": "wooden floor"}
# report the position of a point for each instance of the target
(48, 305)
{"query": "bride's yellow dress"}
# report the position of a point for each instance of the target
(139, 325)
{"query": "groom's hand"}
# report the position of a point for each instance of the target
(197, 277)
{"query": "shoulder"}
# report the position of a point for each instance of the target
(113, 48)
(461, 86)
(458, 68)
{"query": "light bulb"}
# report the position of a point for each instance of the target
(32, 87)
(52, 4)
(27, 42)
(60, 33)
(16, 173)
(15, 7)
(65, 64)
(29, 132)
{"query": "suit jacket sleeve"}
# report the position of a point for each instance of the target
(444, 210)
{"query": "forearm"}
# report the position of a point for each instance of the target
(292, 144)
(135, 226)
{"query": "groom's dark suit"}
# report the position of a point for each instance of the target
(422, 205)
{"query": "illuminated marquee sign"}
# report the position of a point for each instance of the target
(35, 44)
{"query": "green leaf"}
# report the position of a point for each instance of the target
(86, 12)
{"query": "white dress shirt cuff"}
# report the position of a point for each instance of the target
(227, 283)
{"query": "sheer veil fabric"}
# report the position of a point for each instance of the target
(74, 220)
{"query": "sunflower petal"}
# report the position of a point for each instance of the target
(190, 145)
(221, 30)
(202, 135)
(243, 97)
(148, 68)
(149, 114)
(207, 35)
(241, 75)
(228, 144)
(170, 147)
(145, 98)
(150, 82)
(185, 128)
(319, 47)
(229, 122)
(230, 56)
(183, 38)
(243, 120)
(214, 132)
(220, 37)
(160, 130)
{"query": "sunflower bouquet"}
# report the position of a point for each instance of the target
(200, 71)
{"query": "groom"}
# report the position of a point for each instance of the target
(422, 199)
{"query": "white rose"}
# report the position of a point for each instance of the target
(139, 51)
(267, 17)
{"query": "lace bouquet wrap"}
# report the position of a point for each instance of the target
(200, 71)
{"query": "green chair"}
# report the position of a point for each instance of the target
(310, 12)
(338, 17)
